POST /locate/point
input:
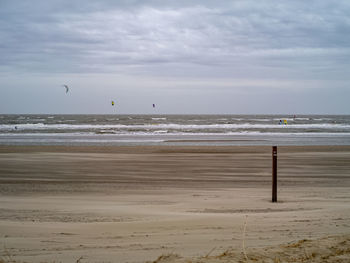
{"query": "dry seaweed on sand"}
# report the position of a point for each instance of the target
(333, 249)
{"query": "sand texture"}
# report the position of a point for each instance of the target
(173, 204)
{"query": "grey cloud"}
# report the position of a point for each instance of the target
(113, 35)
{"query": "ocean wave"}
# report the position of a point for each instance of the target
(174, 126)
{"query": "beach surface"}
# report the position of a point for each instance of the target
(173, 204)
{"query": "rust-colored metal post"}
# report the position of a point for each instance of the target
(274, 173)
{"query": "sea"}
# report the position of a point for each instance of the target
(124, 130)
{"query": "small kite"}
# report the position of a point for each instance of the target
(154, 105)
(112, 103)
(67, 89)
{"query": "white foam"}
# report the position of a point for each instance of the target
(42, 126)
(160, 131)
(303, 119)
(260, 120)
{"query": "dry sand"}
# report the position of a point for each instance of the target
(134, 204)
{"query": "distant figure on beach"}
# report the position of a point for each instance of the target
(15, 127)
(283, 122)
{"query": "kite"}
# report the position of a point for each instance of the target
(154, 105)
(112, 103)
(67, 89)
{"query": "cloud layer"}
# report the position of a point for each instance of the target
(112, 37)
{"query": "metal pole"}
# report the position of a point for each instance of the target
(274, 174)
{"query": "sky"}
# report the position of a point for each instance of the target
(187, 57)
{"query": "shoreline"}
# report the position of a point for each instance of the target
(164, 139)
(154, 148)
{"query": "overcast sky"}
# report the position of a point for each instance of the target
(238, 57)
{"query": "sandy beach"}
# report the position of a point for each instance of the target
(173, 204)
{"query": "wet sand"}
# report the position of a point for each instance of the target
(133, 204)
